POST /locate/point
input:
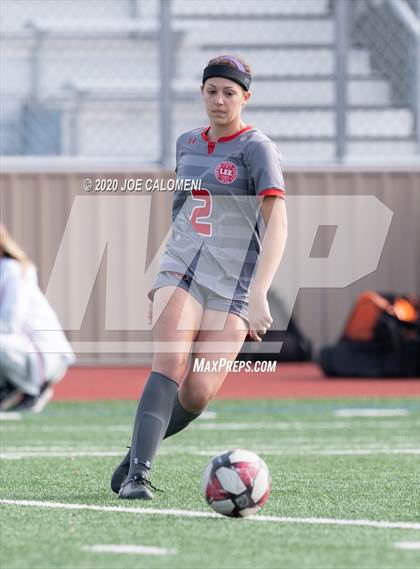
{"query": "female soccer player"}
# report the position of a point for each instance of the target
(214, 275)
(31, 360)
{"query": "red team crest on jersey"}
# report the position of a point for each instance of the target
(226, 172)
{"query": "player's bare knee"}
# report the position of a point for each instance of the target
(199, 399)
(171, 365)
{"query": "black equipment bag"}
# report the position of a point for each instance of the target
(381, 339)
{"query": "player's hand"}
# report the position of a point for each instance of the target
(260, 318)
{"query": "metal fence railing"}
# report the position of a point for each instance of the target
(334, 80)
(390, 31)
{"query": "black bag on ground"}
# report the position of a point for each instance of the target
(381, 339)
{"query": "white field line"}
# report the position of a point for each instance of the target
(12, 416)
(67, 428)
(52, 448)
(133, 549)
(312, 426)
(335, 452)
(207, 415)
(58, 454)
(200, 514)
(281, 426)
(21, 454)
(280, 443)
(414, 545)
(371, 412)
(332, 452)
(283, 445)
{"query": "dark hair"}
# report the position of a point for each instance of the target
(227, 60)
(9, 248)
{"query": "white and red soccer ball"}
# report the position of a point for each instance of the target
(236, 483)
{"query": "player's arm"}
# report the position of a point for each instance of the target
(273, 211)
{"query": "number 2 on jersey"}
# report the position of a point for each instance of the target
(201, 212)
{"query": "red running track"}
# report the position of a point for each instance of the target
(294, 381)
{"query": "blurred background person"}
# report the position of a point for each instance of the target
(34, 352)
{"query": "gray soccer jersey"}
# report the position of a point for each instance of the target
(216, 231)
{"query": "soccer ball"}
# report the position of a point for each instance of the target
(236, 483)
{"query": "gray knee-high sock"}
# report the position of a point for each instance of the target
(152, 418)
(180, 418)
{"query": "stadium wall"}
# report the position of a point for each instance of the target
(36, 207)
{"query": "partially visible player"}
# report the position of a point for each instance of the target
(217, 267)
(31, 359)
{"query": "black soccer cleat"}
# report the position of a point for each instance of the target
(10, 396)
(11, 399)
(36, 404)
(120, 473)
(136, 488)
(33, 403)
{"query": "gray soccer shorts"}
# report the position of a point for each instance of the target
(206, 297)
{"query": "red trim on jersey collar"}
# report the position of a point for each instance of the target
(223, 138)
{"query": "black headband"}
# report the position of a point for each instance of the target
(228, 72)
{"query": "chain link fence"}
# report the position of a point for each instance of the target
(389, 33)
(333, 79)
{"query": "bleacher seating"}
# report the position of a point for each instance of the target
(97, 63)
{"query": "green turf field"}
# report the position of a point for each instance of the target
(326, 467)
